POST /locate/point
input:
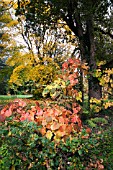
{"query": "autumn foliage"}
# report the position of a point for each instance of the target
(56, 120)
(66, 86)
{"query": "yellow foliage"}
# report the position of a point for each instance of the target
(95, 108)
(20, 59)
(6, 18)
(84, 66)
(95, 105)
(12, 167)
(41, 74)
(96, 101)
(66, 27)
(109, 71)
(111, 81)
(15, 5)
(101, 63)
(20, 75)
(60, 82)
(5, 37)
(46, 10)
(49, 134)
(7, 1)
(98, 73)
(108, 104)
(12, 23)
(107, 82)
(79, 96)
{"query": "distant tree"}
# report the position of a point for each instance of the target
(8, 45)
(47, 49)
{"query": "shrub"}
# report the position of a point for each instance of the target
(23, 147)
(59, 120)
(56, 122)
(39, 75)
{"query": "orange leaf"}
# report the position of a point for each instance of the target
(66, 120)
(48, 126)
(61, 119)
(88, 130)
(65, 65)
(74, 119)
(48, 119)
(69, 128)
(8, 112)
(44, 123)
(55, 126)
(62, 127)
(85, 137)
(25, 116)
(2, 118)
(43, 131)
(71, 61)
(39, 112)
(75, 110)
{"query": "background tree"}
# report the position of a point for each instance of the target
(9, 45)
(55, 41)
(46, 48)
(5, 71)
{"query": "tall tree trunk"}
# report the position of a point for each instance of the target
(94, 87)
(87, 48)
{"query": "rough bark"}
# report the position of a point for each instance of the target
(87, 48)
(94, 87)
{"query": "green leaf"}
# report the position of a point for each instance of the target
(67, 82)
(45, 92)
(80, 152)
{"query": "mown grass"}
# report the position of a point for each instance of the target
(5, 97)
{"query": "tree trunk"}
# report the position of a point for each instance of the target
(87, 49)
(94, 87)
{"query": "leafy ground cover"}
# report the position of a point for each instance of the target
(24, 146)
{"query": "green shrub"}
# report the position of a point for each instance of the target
(94, 122)
(23, 147)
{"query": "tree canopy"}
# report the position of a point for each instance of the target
(86, 19)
